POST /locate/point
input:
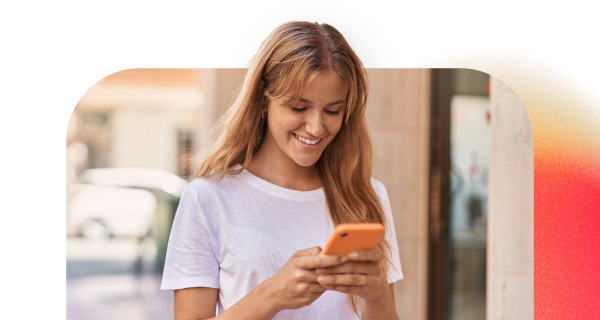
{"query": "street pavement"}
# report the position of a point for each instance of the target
(103, 281)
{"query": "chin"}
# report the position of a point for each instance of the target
(306, 162)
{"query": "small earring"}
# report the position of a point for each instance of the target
(264, 114)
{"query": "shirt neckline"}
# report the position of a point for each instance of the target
(279, 190)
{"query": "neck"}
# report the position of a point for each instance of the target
(283, 171)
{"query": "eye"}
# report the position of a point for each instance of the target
(298, 109)
(332, 112)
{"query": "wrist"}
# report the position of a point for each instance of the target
(379, 294)
(266, 298)
(380, 308)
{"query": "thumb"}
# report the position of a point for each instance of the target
(308, 252)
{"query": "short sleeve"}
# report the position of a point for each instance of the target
(394, 269)
(190, 259)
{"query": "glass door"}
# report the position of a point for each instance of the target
(459, 162)
(469, 163)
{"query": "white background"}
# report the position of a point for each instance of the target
(53, 51)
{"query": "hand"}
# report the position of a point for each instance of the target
(361, 275)
(295, 284)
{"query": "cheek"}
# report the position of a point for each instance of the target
(283, 125)
(334, 126)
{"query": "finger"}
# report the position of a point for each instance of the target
(316, 288)
(365, 255)
(344, 279)
(345, 289)
(319, 261)
(361, 267)
(303, 275)
(308, 252)
(306, 287)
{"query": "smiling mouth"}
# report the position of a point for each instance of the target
(305, 140)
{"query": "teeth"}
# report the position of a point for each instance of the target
(307, 141)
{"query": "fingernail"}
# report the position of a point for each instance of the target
(353, 255)
(344, 259)
(323, 279)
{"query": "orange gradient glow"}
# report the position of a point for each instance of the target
(567, 211)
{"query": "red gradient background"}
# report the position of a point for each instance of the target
(566, 213)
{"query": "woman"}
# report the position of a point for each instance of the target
(293, 160)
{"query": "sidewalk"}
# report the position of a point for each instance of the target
(102, 282)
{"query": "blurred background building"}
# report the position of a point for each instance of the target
(134, 136)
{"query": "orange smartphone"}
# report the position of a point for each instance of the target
(347, 237)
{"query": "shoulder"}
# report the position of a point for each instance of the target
(203, 190)
(211, 186)
(377, 184)
(203, 199)
(379, 188)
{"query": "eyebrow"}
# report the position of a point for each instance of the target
(329, 104)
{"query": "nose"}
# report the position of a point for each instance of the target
(314, 124)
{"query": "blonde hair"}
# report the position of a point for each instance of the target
(286, 62)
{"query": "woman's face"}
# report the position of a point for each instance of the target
(301, 132)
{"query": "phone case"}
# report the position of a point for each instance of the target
(348, 237)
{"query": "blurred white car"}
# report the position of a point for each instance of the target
(102, 211)
(135, 177)
(118, 202)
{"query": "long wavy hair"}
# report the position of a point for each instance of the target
(286, 62)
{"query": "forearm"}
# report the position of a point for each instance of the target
(256, 305)
(382, 308)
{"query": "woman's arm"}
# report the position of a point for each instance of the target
(382, 308)
(293, 286)
(195, 303)
(362, 276)
(200, 303)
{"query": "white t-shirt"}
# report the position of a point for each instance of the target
(235, 233)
